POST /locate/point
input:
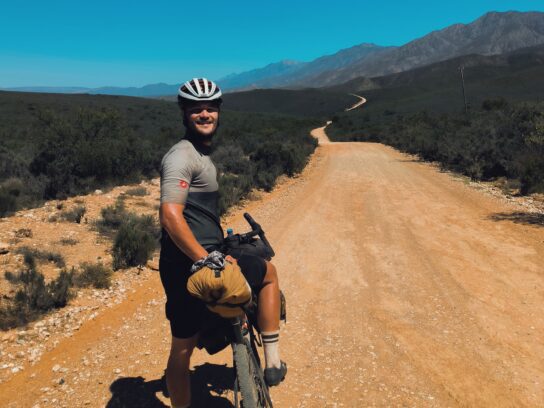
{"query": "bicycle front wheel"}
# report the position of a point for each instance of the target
(250, 379)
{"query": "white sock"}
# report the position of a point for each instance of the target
(271, 348)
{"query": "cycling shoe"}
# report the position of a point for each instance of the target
(274, 376)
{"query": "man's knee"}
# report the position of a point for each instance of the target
(271, 275)
(182, 349)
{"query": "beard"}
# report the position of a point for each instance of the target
(202, 140)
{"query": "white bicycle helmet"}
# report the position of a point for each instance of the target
(199, 89)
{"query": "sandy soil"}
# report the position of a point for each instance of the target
(405, 287)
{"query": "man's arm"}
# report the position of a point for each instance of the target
(172, 220)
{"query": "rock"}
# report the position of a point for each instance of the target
(56, 368)
(98, 192)
(153, 264)
(4, 248)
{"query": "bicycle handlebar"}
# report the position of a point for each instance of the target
(256, 230)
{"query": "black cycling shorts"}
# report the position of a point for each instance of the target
(183, 310)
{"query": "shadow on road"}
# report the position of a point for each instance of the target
(136, 392)
(526, 218)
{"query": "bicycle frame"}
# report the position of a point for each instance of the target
(241, 335)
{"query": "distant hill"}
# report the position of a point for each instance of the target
(517, 75)
(152, 90)
(493, 33)
(247, 79)
(48, 89)
(305, 102)
(145, 91)
(284, 74)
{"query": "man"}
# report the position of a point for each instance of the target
(191, 230)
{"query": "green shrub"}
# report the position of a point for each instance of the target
(68, 241)
(95, 275)
(35, 297)
(494, 104)
(232, 188)
(11, 277)
(137, 191)
(532, 177)
(8, 202)
(135, 241)
(31, 254)
(14, 186)
(112, 217)
(75, 214)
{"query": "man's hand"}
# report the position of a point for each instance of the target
(232, 260)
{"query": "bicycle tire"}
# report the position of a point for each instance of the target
(250, 380)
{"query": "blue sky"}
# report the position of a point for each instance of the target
(133, 43)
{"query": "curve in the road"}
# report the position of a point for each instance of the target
(361, 102)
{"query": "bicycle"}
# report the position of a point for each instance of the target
(240, 332)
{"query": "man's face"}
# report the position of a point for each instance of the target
(202, 118)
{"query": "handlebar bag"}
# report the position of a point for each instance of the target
(225, 292)
(233, 247)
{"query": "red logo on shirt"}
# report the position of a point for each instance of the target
(183, 184)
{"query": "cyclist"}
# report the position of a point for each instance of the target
(191, 230)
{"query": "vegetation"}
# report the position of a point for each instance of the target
(314, 103)
(64, 145)
(75, 214)
(112, 217)
(137, 191)
(245, 162)
(68, 241)
(93, 274)
(499, 140)
(34, 297)
(135, 237)
(31, 254)
(135, 241)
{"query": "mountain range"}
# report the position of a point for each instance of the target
(492, 34)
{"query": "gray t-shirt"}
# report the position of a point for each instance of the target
(189, 177)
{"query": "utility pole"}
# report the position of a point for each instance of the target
(461, 69)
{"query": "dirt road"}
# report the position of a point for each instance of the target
(361, 102)
(405, 287)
